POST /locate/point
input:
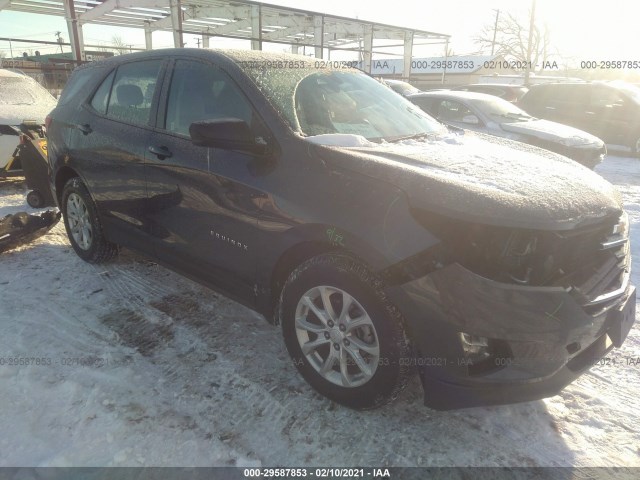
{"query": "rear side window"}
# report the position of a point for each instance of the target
(78, 79)
(132, 91)
(101, 97)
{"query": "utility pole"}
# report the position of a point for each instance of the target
(495, 31)
(59, 41)
(527, 71)
(198, 41)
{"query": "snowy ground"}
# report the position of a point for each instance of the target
(175, 374)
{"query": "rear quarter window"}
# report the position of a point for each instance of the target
(78, 79)
(101, 97)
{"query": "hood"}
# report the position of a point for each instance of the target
(481, 178)
(16, 114)
(552, 131)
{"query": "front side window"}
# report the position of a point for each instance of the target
(450, 111)
(132, 91)
(203, 92)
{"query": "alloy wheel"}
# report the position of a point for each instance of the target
(79, 221)
(337, 336)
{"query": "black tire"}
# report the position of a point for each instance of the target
(342, 272)
(35, 199)
(99, 249)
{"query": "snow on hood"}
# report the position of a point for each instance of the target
(16, 114)
(486, 179)
(553, 131)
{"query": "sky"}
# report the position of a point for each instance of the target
(581, 30)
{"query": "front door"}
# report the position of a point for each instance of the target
(202, 206)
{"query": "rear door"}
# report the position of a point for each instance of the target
(202, 207)
(611, 114)
(111, 139)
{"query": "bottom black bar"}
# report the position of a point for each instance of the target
(328, 473)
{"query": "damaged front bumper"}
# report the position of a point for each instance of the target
(534, 340)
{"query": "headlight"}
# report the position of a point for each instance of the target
(499, 253)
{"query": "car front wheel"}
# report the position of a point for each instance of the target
(83, 225)
(343, 335)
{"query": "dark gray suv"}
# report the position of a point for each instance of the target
(381, 242)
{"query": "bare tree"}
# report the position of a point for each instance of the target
(512, 37)
(118, 45)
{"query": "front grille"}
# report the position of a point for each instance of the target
(592, 262)
(598, 263)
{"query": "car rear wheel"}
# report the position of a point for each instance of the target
(83, 225)
(343, 335)
(35, 199)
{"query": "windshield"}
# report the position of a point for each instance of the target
(500, 110)
(316, 101)
(23, 91)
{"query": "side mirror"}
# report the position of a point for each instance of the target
(225, 133)
(470, 120)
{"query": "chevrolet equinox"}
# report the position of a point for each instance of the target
(382, 242)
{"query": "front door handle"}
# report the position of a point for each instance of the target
(85, 128)
(160, 152)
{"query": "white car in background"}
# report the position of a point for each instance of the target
(21, 99)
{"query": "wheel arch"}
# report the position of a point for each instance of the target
(292, 258)
(63, 175)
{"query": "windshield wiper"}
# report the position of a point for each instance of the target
(412, 137)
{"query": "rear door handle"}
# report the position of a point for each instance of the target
(85, 128)
(160, 152)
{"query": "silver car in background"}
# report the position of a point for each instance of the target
(22, 99)
(489, 114)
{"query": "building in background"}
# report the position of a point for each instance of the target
(50, 70)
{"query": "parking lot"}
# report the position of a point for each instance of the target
(139, 366)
